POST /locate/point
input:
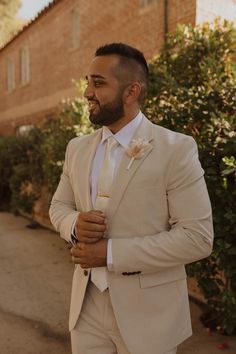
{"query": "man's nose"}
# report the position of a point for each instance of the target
(88, 93)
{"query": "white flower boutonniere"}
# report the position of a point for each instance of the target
(136, 150)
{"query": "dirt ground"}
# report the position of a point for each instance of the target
(35, 281)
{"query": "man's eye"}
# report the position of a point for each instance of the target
(98, 83)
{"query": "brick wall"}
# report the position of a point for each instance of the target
(53, 62)
(181, 12)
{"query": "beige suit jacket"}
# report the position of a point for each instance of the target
(159, 219)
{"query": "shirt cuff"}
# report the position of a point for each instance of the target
(109, 256)
(74, 239)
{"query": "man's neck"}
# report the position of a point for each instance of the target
(115, 127)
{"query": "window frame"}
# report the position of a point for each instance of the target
(75, 28)
(11, 75)
(24, 65)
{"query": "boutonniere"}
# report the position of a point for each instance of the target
(136, 150)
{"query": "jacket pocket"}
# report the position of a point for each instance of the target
(163, 277)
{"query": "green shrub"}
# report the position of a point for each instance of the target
(73, 121)
(20, 163)
(34, 159)
(5, 172)
(193, 90)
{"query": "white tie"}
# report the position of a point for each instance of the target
(105, 179)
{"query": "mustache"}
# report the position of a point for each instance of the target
(91, 100)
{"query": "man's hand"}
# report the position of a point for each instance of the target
(90, 226)
(90, 255)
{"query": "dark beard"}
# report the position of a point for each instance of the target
(108, 113)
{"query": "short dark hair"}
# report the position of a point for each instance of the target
(128, 57)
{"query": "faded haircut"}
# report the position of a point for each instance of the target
(131, 59)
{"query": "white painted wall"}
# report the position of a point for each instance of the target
(207, 10)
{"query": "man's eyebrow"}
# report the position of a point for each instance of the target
(95, 76)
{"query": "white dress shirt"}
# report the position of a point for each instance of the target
(123, 137)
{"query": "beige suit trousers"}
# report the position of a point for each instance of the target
(96, 331)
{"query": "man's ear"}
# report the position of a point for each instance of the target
(132, 93)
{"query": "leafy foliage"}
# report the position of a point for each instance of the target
(72, 122)
(29, 161)
(9, 23)
(20, 162)
(5, 171)
(193, 90)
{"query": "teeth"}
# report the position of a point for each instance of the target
(92, 105)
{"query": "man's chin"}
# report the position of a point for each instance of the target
(95, 119)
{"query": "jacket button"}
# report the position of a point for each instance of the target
(85, 272)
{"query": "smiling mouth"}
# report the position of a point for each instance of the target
(93, 105)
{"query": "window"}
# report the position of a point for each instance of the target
(25, 65)
(75, 28)
(144, 3)
(11, 84)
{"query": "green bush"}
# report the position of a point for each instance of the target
(193, 90)
(20, 167)
(73, 121)
(29, 161)
(5, 171)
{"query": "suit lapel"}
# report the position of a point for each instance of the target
(86, 157)
(124, 176)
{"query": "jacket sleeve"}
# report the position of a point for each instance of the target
(190, 235)
(63, 212)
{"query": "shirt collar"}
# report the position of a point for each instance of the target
(124, 135)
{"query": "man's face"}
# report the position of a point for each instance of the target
(104, 91)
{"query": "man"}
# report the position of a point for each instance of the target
(133, 202)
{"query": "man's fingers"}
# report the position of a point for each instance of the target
(93, 217)
(90, 239)
(78, 257)
(87, 226)
(90, 255)
(80, 261)
(91, 233)
(91, 226)
(97, 212)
